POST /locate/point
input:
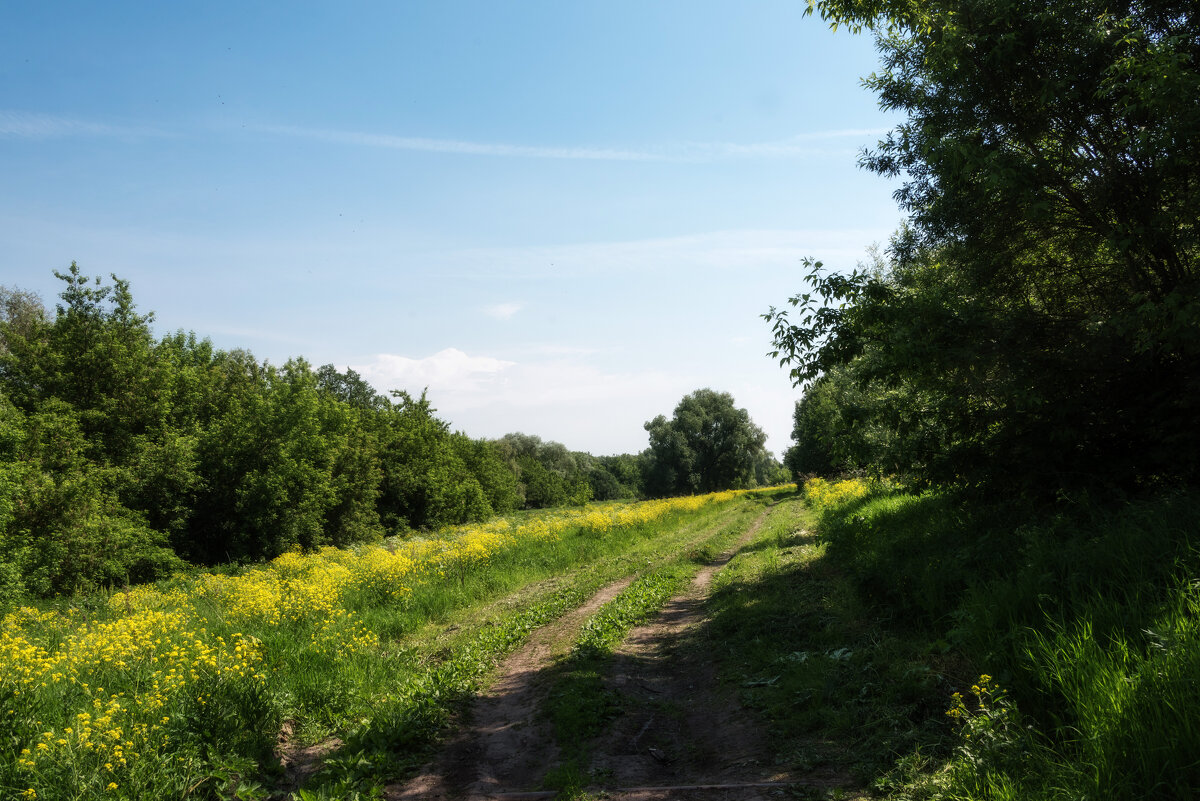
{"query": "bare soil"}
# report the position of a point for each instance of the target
(676, 728)
(300, 762)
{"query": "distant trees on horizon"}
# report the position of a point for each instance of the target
(122, 456)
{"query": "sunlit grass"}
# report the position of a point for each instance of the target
(180, 688)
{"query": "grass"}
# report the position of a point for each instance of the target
(180, 690)
(1082, 620)
(841, 693)
(401, 737)
(579, 704)
(1063, 643)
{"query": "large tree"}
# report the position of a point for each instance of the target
(1040, 310)
(708, 445)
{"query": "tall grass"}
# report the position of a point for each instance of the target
(1087, 617)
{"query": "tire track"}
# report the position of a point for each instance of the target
(505, 746)
(677, 729)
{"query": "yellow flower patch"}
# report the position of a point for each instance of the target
(165, 651)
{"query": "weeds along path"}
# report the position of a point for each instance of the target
(506, 744)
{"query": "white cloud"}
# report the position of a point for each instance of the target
(447, 371)
(502, 311)
(471, 381)
(558, 398)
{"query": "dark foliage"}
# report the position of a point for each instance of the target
(1040, 314)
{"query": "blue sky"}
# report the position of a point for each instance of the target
(560, 217)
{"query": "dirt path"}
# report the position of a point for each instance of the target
(678, 736)
(505, 747)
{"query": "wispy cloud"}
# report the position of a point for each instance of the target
(800, 145)
(745, 249)
(805, 144)
(31, 125)
(455, 146)
(34, 125)
(260, 334)
(502, 311)
(457, 380)
(547, 349)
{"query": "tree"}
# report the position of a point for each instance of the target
(769, 471)
(847, 424)
(21, 312)
(543, 487)
(95, 355)
(483, 460)
(114, 445)
(708, 445)
(1046, 139)
(626, 470)
(549, 474)
(350, 388)
(1040, 312)
(426, 484)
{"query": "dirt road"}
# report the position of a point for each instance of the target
(679, 734)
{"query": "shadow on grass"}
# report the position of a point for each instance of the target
(785, 673)
(840, 680)
(837, 684)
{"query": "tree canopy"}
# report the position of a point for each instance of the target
(708, 445)
(122, 454)
(1038, 315)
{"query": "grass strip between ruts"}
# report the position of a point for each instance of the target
(579, 704)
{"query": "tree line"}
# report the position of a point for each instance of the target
(1035, 325)
(124, 456)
